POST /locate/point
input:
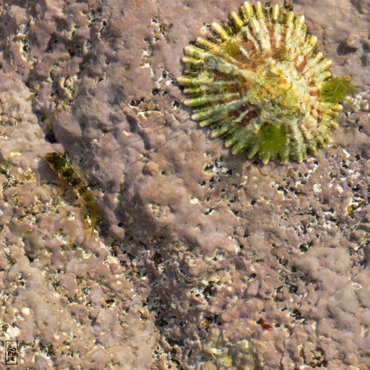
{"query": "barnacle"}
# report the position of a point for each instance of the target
(259, 82)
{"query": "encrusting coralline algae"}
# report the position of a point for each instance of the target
(216, 260)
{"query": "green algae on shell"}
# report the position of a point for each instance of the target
(259, 82)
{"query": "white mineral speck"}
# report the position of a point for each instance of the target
(26, 311)
(317, 188)
(345, 151)
(340, 189)
(12, 332)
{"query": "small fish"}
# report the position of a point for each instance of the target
(68, 174)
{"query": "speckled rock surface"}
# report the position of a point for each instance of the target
(66, 296)
(249, 266)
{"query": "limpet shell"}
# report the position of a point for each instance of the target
(257, 82)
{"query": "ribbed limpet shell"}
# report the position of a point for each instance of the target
(257, 82)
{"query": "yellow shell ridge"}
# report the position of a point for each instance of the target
(259, 82)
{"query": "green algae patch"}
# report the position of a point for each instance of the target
(337, 89)
(273, 140)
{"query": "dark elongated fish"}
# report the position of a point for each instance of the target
(69, 175)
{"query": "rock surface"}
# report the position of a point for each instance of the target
(234, 264)
(66, 296)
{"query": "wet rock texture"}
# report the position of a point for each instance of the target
(67, 297)
(236, 265)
